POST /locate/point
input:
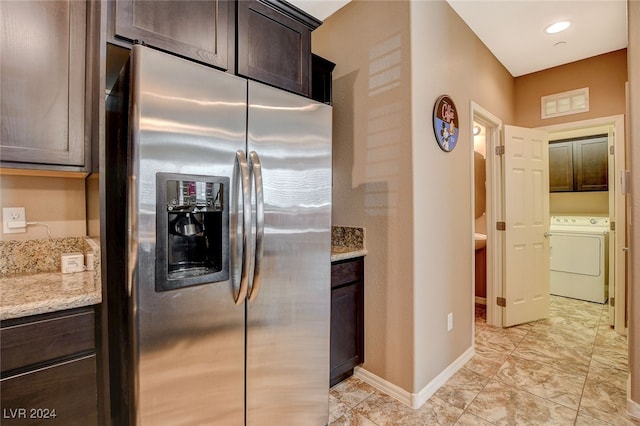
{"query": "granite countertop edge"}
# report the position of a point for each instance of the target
(342, 253)
(47, 292)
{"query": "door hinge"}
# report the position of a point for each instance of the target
(501, 226)
(501, 301)
(612, 226)
(500, 150)
(612, 302)
(612, 150)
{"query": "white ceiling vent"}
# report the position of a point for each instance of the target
(572, 102)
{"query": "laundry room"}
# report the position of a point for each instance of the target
(579, 214)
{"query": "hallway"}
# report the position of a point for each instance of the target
(568, 369)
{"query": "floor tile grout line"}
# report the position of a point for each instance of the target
(584, 385)
(525, 390)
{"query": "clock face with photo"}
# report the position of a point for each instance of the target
(445, 123)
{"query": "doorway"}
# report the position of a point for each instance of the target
(491, 130)
(614, 204)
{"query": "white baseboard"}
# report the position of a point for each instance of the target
(481, 300)
(414, 400)
(633, 408)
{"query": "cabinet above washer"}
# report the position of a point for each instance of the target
(579, 164)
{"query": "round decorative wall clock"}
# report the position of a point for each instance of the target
(445, 123)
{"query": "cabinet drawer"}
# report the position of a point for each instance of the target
(61, 394)
(347, 271)
(46, 338)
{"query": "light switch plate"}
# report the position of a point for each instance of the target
(13, 220)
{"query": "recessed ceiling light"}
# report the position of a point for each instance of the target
(557, 27)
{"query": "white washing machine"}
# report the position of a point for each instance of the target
(579, 266)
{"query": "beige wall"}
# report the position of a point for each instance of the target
(56, 201)
(372, 174)
(447, 58)
(393, 60)
(571, 203)
(604, 75)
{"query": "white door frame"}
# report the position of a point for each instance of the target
(617, 267)
(494, 211)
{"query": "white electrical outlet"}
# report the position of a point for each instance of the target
(13, 220)
(450, 321)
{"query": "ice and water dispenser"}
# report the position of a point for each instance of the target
(192, 229)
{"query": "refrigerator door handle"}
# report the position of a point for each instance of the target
(241, 175)
(256, 173)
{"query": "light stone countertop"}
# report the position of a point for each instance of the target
(47, 292)
(30, 281)
(347, 243)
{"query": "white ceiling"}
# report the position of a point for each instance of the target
(320, 9)
(514, 29)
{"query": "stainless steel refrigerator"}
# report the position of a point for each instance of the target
(217, 210)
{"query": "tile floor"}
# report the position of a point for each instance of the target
(569, 369)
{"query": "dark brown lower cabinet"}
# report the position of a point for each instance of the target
(347, 318)
(52, 379)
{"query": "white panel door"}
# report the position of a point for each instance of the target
(526, 201)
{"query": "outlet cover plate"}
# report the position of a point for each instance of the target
(14, 216)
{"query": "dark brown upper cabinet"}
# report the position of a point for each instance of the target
(592, 164)
(579, 164)
(274, 44)
(198, 30)
(561, 167)
(322, 79)
(43, 91)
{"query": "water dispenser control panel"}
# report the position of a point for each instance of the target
(192, 224)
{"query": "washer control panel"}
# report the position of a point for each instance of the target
(594, 223)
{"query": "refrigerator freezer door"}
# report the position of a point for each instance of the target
(188, 343)
(288, 321)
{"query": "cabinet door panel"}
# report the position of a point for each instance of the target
(273, 48)
(68, 388)
(347, 339)
(347, 318)
(592, 165)
(42, 81)
(194, 29)
(561, 167)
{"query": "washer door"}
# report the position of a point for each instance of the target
(576, 253)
